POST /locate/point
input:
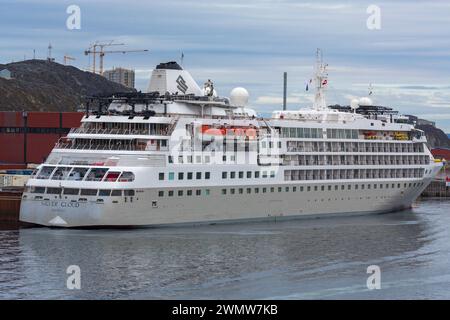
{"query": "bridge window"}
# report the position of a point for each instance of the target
(54, 190)
(129, 193)
(71, 191)
(126, 176)
(45, 172)
(88, 192)
(104, 193)
(37, 189)
(116, 193)
(112, 176)
(61, 173)
(77, 174)
(96, 174)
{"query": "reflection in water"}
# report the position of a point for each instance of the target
(6, 225)
(319, 258)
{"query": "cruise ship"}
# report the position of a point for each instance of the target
(179, 154)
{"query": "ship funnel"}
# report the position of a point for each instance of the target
(170, 77)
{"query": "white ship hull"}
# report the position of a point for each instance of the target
(218, 208)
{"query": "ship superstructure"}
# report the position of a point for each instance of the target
(181, 154)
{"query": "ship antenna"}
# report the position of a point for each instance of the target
(321, 79)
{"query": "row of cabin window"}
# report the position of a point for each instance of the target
(248, 174)
(295, 175)
(334, 146)
(181, 175)
(198, 159)
(322, 188)
(82, 192)
(271, 144)
(302, 160)
(189, 159)
(305, 133)
(180, 193)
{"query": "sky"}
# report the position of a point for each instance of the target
(251, 43)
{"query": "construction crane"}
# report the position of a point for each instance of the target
(66, 57)
(93, 50)
(102, 54)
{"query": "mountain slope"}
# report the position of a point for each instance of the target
(39, 85)
(435, 136)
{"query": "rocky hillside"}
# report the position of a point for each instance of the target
(435, 136)
(39, 85)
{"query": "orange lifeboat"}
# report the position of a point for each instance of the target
(251, 133)
(210, 132)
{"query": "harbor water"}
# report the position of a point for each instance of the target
(323, 258)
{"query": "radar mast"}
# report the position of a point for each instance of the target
(321, 79)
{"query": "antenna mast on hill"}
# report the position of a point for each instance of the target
(49, 56)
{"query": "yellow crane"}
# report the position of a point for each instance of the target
(97, 48)
(66, 58)
(102, 54)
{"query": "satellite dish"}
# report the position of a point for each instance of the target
(365, 102)
(354, 104)
(239, 97)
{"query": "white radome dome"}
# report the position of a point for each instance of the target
(354, 103)
(365, 101)
(239, 97)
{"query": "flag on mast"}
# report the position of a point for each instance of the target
(307, 84)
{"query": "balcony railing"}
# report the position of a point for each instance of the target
(111, 147)
(81, 130)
